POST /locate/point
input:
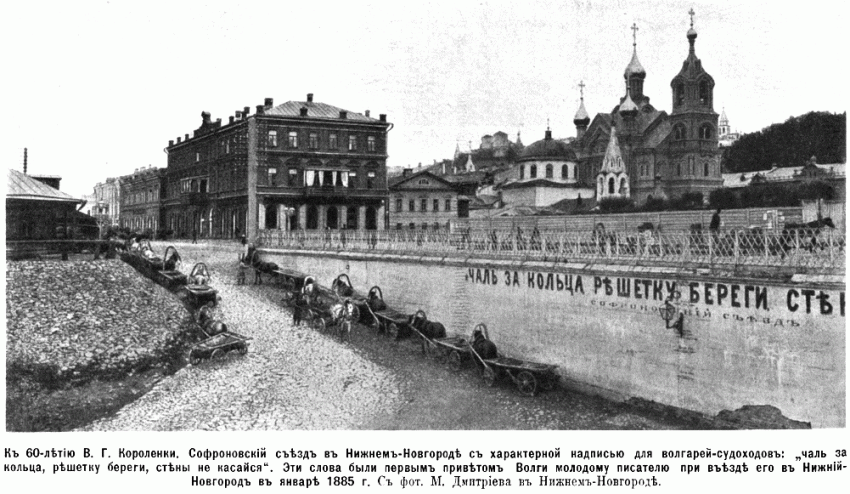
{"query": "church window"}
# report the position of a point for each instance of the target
(705, 132)
(549, 171)
(521, 172)
(532, 173)
(680, 94)
(691, 169)
(679, 132)
(565, 172)
(679, 169)
(704, 93)
(611, 185)
(705, 168)
(623, 186)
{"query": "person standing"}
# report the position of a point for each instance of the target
(194, 236)
(714, 226)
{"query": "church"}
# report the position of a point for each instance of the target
(638, 152)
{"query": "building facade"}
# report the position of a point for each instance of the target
(427, 201)
(106, 202)
(141, 194)
(664, 155)
(300, 165)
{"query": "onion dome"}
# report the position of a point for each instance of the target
(628, 108)
(634, 68)
(581, 118)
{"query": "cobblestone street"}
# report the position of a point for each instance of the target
(298, 378)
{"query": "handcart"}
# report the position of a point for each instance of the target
(197, 289)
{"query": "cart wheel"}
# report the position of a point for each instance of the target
(455, 361)
(217, 354)
(194, 359)
(489, 375)
(526, 383)
(243, 349)
(392, 330)
(319, 324)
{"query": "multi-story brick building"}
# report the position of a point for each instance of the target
(302, 164)
(141, 194)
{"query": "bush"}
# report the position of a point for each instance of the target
(616, 205)
(654, 204)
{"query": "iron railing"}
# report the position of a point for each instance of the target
(820, 251)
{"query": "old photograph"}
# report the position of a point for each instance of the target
(450, 217)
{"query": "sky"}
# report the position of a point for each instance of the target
(96, 89)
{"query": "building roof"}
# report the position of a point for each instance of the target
(316, 110)
(20, 186)
(548, 148)
(634, 66)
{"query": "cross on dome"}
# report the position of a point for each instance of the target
(634, 29)
(581, 86)
(691, 13)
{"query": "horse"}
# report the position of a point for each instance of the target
(485, 348)
(429, 329)
(803, 235)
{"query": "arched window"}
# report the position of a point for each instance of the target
(624, 186)
(312, 218)
(679, 132)
(706, 131)
(679, 169)
(565, 172)
(680, 94)
(705, 168)
(521, 172)
(532, 173)
(549, 171)
(611, 185)
(704, 93)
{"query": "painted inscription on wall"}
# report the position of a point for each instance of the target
(694, 298)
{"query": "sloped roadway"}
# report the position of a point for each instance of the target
(297, 378)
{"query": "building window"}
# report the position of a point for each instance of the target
(679, 132)
(704, 93)
(352, 143)
(370, 144)
(448, 204)
(332, 142)
(436, 226)
(424, 205)
(412, 226)
(679, 169)
(521, 172)
(398, 226)
(293, 139)
(398, 205)
(680, 94)
(549, 171)
(705, 168)
(293, 177)
(424, 181)
(532, 173)
(197, 157)
(411, 205)
(611, 185)
(272, 177)
(705, 132)
(436, 205)
(314, 140)
(370, 180)
(352, 180)
(424, 226)
(565, 172)
(272, 141)
(227, 146)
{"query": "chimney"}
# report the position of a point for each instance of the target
(178, 140)
(231, 119)
(25, 161)
(186, 137)
(406, 172)
(218, 122)
(343, 114)
(383, 117)
(367, 113)
(303, 111)
(205, 117)
(171, 143)
(238, 115)
(309, 97)
(246, 111)
(260, 109)
(269, 103)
